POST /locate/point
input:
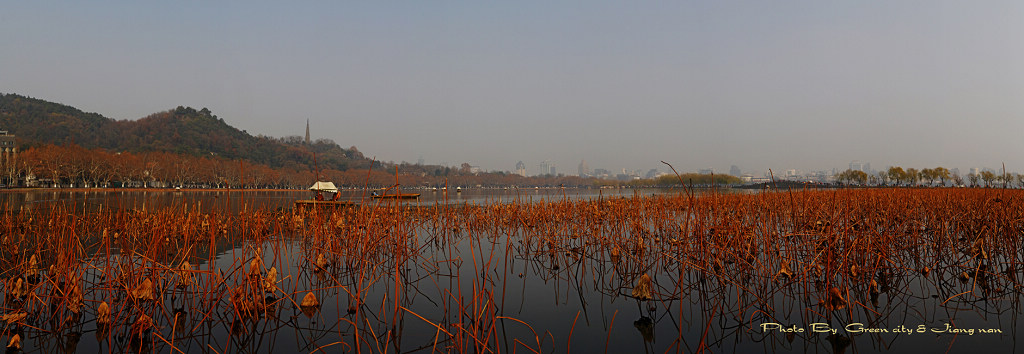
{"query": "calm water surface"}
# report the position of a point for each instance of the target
(91, 200)
(531, 297)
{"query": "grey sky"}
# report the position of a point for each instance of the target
(760, 84)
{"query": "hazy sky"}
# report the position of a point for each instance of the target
(809, 85)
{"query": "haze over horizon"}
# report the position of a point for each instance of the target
(796, 85)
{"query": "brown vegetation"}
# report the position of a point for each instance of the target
(832, 252)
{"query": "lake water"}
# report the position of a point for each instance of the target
(506, 273)
(91, 200)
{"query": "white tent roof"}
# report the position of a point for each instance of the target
(324, 186)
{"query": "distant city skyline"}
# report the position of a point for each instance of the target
(788, 86)
(584, 170)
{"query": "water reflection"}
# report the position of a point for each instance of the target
(95, 200)
(511, 276)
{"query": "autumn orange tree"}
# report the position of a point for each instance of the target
(72, 165)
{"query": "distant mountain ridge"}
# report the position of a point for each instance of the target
(182, 130)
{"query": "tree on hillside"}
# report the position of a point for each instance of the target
(182, 130)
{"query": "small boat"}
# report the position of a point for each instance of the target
(319, 200)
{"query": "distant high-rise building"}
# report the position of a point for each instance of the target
(7, 142)
(584, 170)
(860, 166)
(735, 171)
(307, 131)
(652, 173)
(521, 169)
(545, 168)
(8, 152)
(706, 171)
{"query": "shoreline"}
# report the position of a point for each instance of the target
(190, 190)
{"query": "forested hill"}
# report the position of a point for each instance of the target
(182, 130)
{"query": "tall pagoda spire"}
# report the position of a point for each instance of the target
(307, 131)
